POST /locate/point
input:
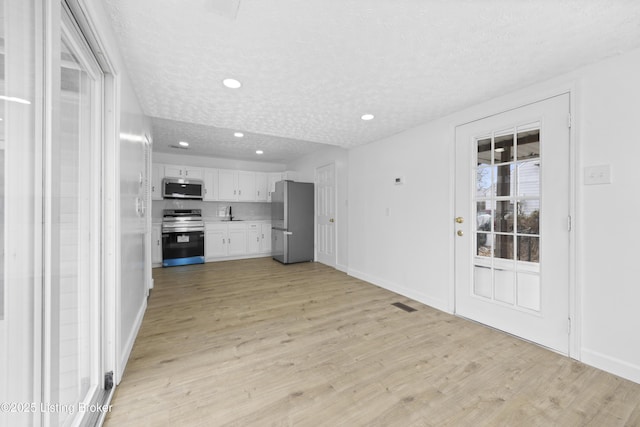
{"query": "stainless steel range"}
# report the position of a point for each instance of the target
(182, 237)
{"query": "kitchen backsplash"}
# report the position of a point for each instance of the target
(240, 210)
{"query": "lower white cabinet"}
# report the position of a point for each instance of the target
(265, 238)
(237, 240)
(156, 244)
(215, 240)
(254, 236)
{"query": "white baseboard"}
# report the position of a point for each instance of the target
(393, 287)
(610, 364)
(342, 268)
(131, 339)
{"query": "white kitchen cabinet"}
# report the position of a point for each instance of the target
(224, 239)
(254, 237)
(210, 185)
(246, 186)
(156, 244)
(236, 186)
(272, 179)
(157, 174)
(265, 238)
(215, 240)
(237, 239)
(227, 185)
(262, 187)
(174, 171)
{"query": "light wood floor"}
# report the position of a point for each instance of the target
(256, 343)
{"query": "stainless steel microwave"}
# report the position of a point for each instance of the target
(178, 188)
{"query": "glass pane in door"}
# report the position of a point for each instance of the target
(507, 200)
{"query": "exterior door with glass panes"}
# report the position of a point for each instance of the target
(512, 222)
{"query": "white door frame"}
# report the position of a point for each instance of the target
(511, 102)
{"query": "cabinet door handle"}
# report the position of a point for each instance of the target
(239, 192)
(257, 239)
(234, 192)
(223, 241)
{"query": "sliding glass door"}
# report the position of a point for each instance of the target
(73, 301)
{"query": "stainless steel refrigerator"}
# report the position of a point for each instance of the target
(292, 214)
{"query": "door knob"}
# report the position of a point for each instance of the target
(459, 220)
(331, 220)
(460, 233)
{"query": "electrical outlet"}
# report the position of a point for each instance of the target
(595, 175)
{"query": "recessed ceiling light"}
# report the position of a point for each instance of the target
(231, 83)
(238, 134)
(259, 152)
(367, 117)
(183, 143)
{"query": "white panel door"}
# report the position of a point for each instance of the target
(325, 215)
(511, 225)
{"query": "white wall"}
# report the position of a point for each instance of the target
(305, 169)
(410, 249)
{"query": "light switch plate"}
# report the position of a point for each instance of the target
(595, 175)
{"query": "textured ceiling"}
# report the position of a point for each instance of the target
(311, 68)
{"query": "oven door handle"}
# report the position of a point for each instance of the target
(182, 230)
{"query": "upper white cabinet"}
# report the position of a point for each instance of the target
(262, 187)
(221, 184)
(246, 186)
(227, 185)
(183, 172)
(157, 173)
(272, 179)
(210, 185)
(236, 185)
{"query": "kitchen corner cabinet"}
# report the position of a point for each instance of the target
(272, 178)
(156, 244)
(157, 174)
(183, 172)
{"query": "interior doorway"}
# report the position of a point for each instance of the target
(326, 214)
